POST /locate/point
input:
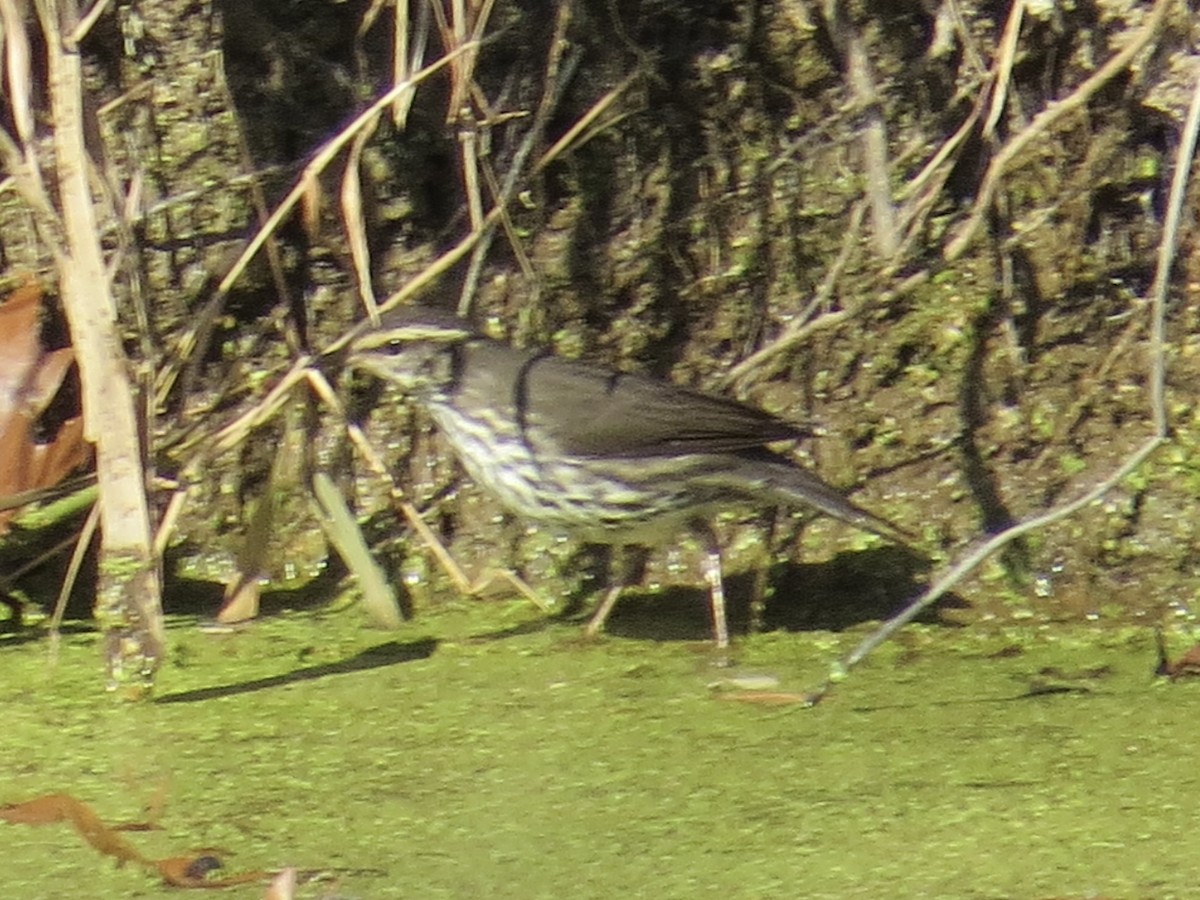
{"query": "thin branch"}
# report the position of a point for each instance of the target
(80, 31)
(553, 82)
(1167, 248)
(804, 324)
(966, 232)
(1003, 68)
(853, 48)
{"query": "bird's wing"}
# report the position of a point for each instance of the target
(591, 411)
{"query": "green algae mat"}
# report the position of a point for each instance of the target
(482, 751)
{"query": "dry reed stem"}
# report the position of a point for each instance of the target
(1042, 122)
(321, 160)
(128, 602)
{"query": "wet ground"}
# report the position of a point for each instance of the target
(483, 751)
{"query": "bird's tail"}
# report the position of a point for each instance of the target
(796, 487)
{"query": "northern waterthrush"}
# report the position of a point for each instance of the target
(607, 457)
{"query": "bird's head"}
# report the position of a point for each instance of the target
(410, 347)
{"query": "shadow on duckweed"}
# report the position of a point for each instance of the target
(380, 656)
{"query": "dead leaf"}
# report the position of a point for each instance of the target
(189, 871)
(19, 347)
(30, 379)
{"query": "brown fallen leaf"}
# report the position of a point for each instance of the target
(190, 871)
(30, 378)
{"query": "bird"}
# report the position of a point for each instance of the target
(605, 456)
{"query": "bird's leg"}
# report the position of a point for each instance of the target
(630, 566)
(716, 586)
(758, 598)
(596, 622)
